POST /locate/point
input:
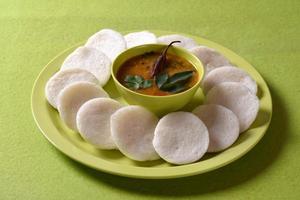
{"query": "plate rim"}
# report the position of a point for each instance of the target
(85, 158)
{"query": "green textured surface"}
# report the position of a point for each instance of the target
(266, 33)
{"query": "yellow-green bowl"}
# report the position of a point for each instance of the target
(160, 105)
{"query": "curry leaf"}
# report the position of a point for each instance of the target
(129, 78)
(132, 85)
(166, 86)
(161, 79)
(174, 87)
(174, 84)
(146, 84)
(136, 82)
(181, 76)
(177, 88)
(138, 79)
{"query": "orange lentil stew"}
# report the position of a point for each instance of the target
(176, 76)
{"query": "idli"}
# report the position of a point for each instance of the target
(93, 121)
(132, 129)
(222, 125)
(180, 138)
(64, 78)
(185, 42)
(238, 98)
(73, 96)
(228, 74)
(210, 58)
(91, 60)
(108, 41)
(139, 38)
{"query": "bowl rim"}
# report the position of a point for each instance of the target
(116, 81)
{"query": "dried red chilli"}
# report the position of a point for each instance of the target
(161, 61)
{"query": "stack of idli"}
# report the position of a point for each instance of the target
(76, 92)
(231, 104)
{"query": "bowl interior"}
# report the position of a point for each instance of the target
(139, 50)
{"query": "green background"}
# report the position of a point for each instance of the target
(266, 33)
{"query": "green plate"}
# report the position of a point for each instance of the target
(112, 161)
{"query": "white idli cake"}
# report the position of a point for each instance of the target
(222, 125)
(73, 96)
(93, 121)
(132, 129)
(64, 78)
(185, 42)
(228, 74)
(210, 58)
(180, 138)
(108, 41)
(91, 60)
(139, 38)
(238, 98)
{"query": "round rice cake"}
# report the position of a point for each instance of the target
(73, 96)
(93, 121)
(185, 42)
(238, 98)
(222, 125)
(180, 138)
(133, 130)
(91, 60)
(228, 74)
(108, 41)
(139, 38)
(210, 58)
(64, 78)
